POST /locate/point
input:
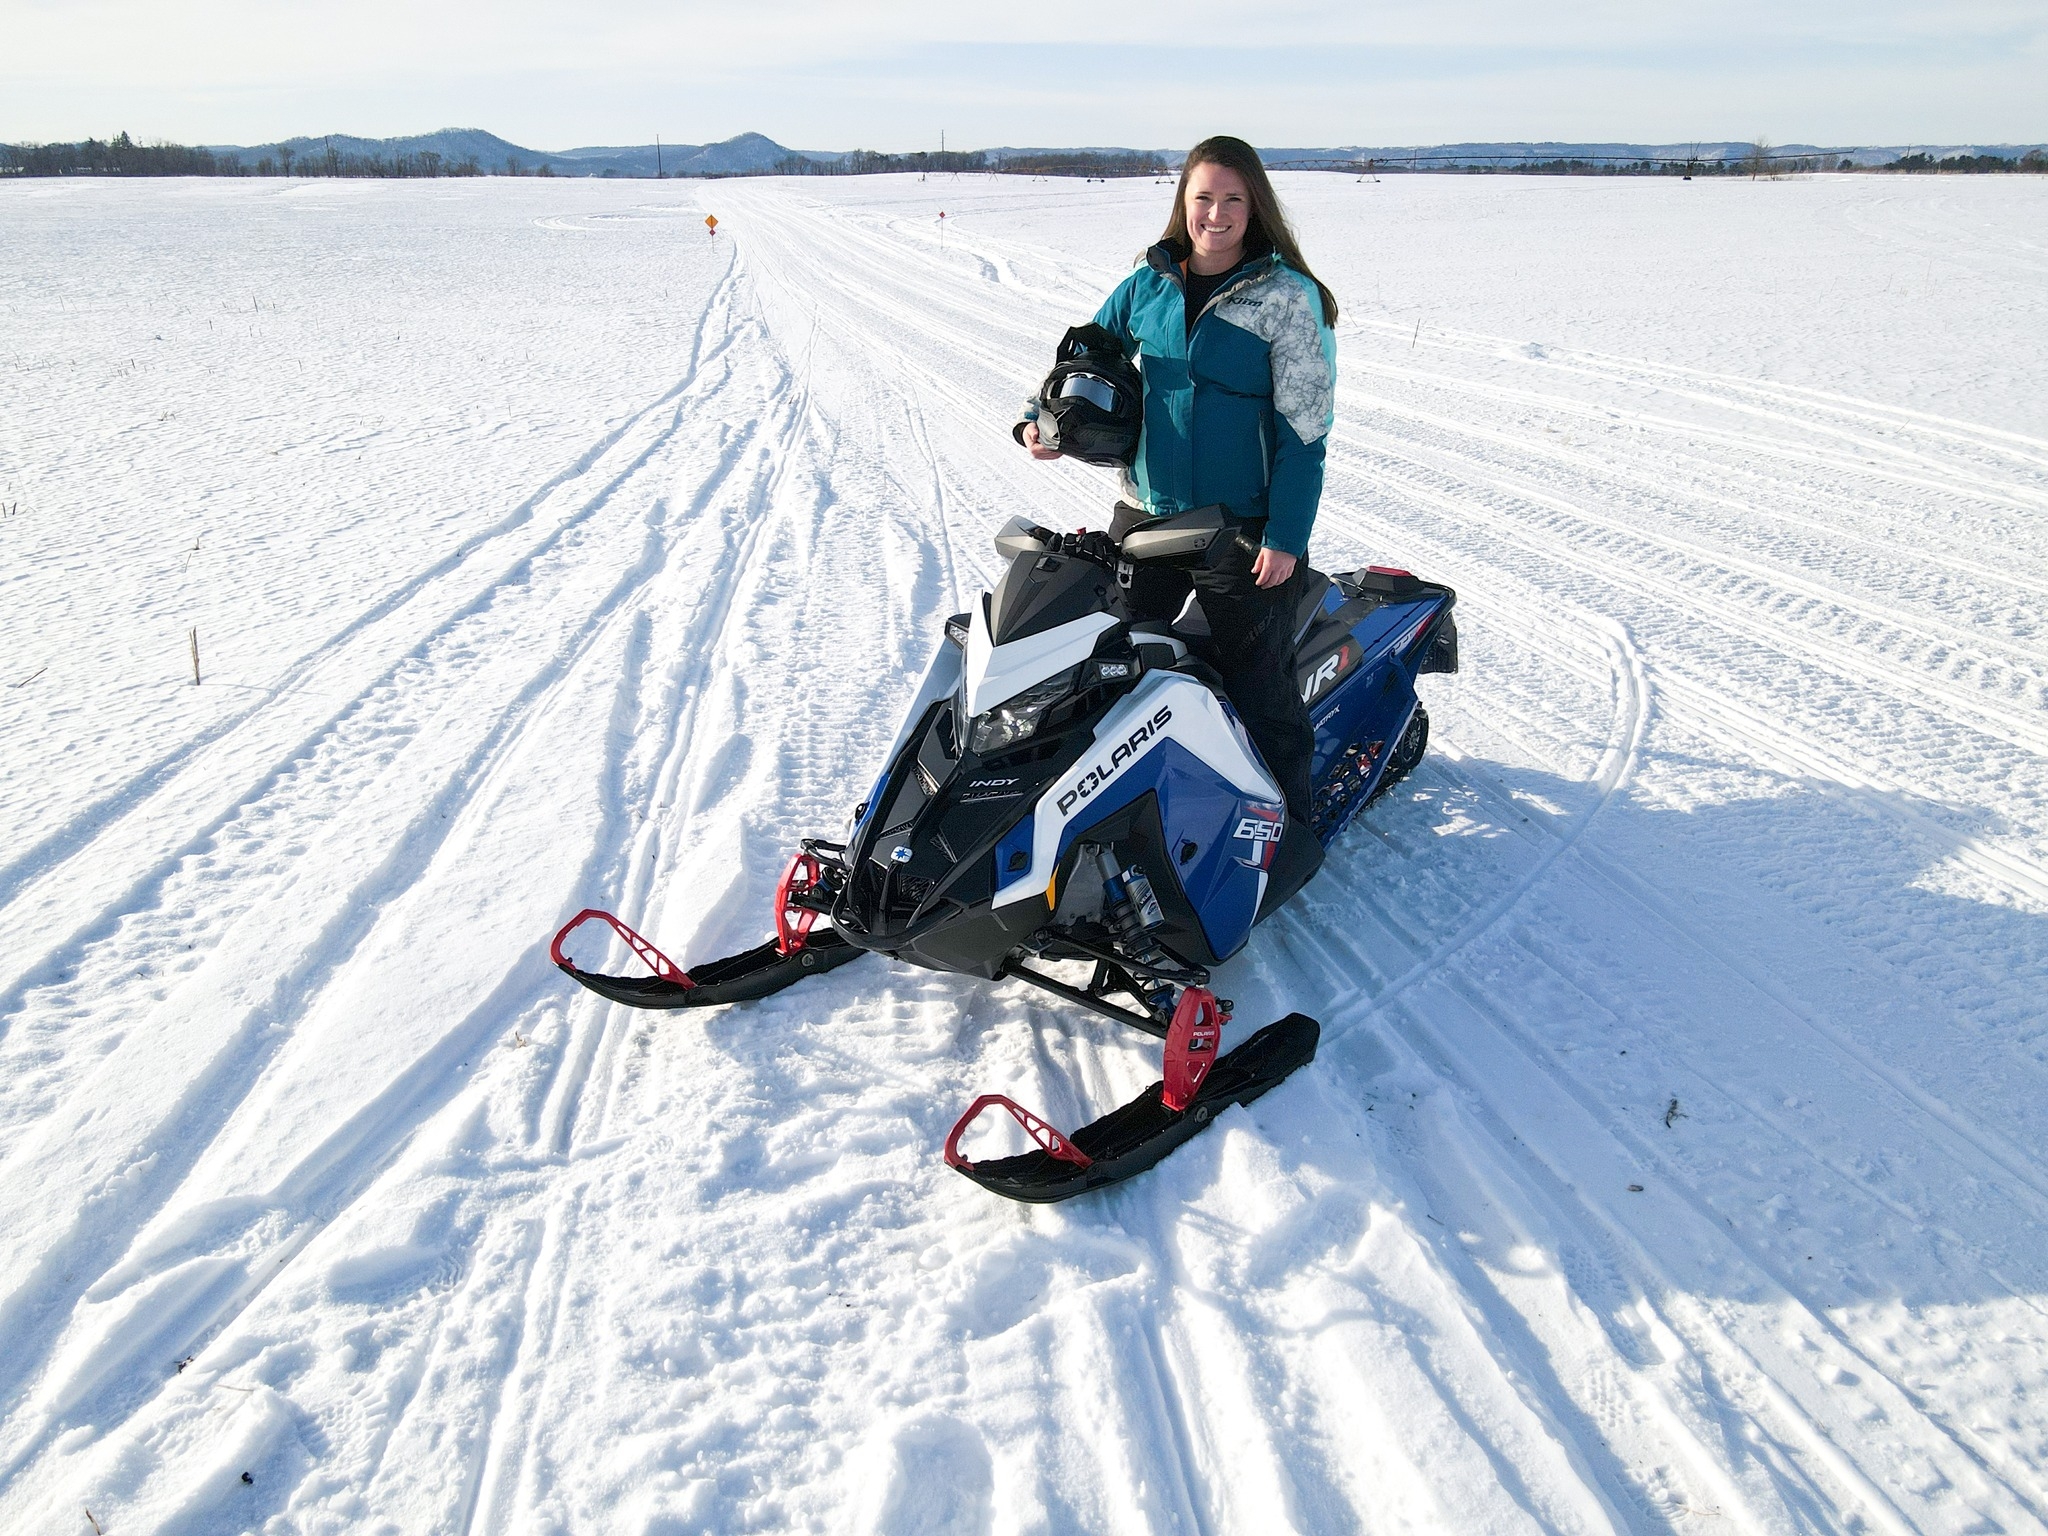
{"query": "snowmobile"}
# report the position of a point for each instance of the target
(1070, 784)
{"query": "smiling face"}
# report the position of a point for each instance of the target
(1219, 211)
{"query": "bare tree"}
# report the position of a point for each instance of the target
(1758, 158)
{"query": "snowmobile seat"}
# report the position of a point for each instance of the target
(1192, 623)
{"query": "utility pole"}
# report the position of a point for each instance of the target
(657, 158)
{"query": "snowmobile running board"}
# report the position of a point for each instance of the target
(1129, 1140)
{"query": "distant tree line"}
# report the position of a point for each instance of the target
(329, 161)
(1758, 160)
(2033, 162)
(871, 162)
(118, 156)
(122, 156)
(1086, 163)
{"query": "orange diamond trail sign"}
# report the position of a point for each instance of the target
(711, 223)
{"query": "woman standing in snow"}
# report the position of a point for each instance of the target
(1232, 332)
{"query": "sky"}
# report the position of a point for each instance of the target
(895, 74)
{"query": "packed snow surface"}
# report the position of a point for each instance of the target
(1674, 1156)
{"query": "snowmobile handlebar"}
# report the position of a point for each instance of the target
(1198, 537)
(1082, 544)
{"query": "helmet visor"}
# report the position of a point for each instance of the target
(1099, 393)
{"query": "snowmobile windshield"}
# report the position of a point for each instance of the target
(1040, 594)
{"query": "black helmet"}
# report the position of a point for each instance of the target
(1093, 402)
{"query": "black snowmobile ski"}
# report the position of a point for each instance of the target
(1129, 1140)
(794, 953)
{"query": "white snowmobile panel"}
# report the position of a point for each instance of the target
(1166, 706)
(999, 672)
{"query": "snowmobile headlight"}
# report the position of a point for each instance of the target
(1016, 718)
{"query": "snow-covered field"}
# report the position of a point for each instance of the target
(1673, 1161)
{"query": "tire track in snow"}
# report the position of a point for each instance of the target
(1502, 1086)
(493, 1461)
(1710, 1338)
(365, 1165)
(1986, 1154)
(1432, 964)
(1986, 1161)
(2011, 450)
(586, 1084)
(535, 697)
(1775, 743)
(1937, 695)
(236, 1065)
(1617, 763)
(91, 823)
(113, 833)
(590, 1082)
(1568, 479)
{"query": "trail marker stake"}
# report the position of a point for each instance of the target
(193, 635)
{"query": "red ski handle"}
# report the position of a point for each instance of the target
(655, 960)
(793, 923)
(1198, 1021)
(1038, 1130)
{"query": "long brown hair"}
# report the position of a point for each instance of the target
(1268, 231)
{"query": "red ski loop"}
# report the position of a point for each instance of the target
(793, 924)
(655, 960)
(1191, 1045)
(1038, 1130)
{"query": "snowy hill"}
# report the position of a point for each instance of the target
(1674, 1158)
(452, 144)
(754, 153)
(746, 154)
(1511, 153)
(741, 155)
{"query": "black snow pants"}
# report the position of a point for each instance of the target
(1252, 646)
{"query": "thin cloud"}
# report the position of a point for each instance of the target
(890, 74)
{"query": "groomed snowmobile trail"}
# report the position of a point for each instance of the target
(1672, 1157)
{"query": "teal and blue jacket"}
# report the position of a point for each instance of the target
(1238, 410)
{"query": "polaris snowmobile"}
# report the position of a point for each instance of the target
(1070, 784)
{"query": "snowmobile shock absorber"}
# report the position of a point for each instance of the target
(1128, 893)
